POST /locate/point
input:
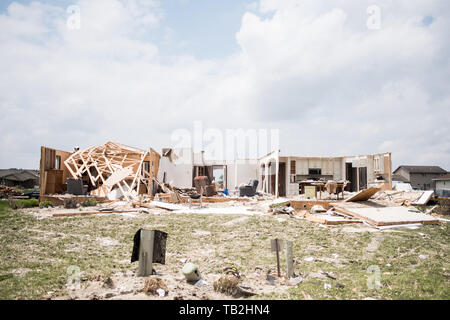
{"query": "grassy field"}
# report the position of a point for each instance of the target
(412, 264)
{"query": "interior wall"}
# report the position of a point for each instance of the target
(245, 173)
(177, 174)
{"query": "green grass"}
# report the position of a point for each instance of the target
(19, 204)
(35, 253)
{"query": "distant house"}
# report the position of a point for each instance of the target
(420, 177)
(442, 187)
(19, 178)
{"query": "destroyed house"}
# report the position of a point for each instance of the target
(288, 175)
(98, 170)
(180, 166)
(420, 177)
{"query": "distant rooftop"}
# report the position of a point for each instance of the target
(422, 169)
(18, 174)
(397, 177)
(444, 177)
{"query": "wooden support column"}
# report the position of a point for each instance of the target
(390, 171)
(146, 253)
(277, 178)
(289, 260)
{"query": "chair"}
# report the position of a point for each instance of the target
(331, 187)
(249, 190)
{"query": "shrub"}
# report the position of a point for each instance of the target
(89, 203)
(444, 207)
(45, 204)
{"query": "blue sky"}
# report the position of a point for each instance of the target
(207, 27)
(202, 28)
(136, 73)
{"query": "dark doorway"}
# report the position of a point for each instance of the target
(351, 174)
(282, 179)
(362, 178)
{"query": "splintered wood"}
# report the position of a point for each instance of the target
(115, 165)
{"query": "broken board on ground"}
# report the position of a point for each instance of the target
(363, 195)
(385, 216)
(424, 198)
(328, 219)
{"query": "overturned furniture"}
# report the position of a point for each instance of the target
(204, 187)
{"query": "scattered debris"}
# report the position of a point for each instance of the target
(108, 283)
(153, 284)
(161, 292)
(230, 285)
(294, 281)
(200, 282)
(7, 192)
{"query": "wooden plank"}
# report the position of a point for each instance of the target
(363, 195)
(289, 260)
(328, 220)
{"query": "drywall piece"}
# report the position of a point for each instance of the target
(363, 195)
(423, 200)
(115, 194)
(409, 226)
(118, 176)
(329, 219)
(386, 216)
(227, 210)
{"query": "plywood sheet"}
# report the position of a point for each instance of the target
(329, 219)
(385, 216)
(363, 195)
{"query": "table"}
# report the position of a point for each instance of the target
(321, 187)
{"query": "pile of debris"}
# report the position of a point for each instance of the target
(380, 209)
(114, 170)
(6, 192)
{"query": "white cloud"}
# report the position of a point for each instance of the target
(312, 69)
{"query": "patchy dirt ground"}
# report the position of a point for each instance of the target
(39, 255)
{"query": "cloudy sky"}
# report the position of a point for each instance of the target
(321, 72)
